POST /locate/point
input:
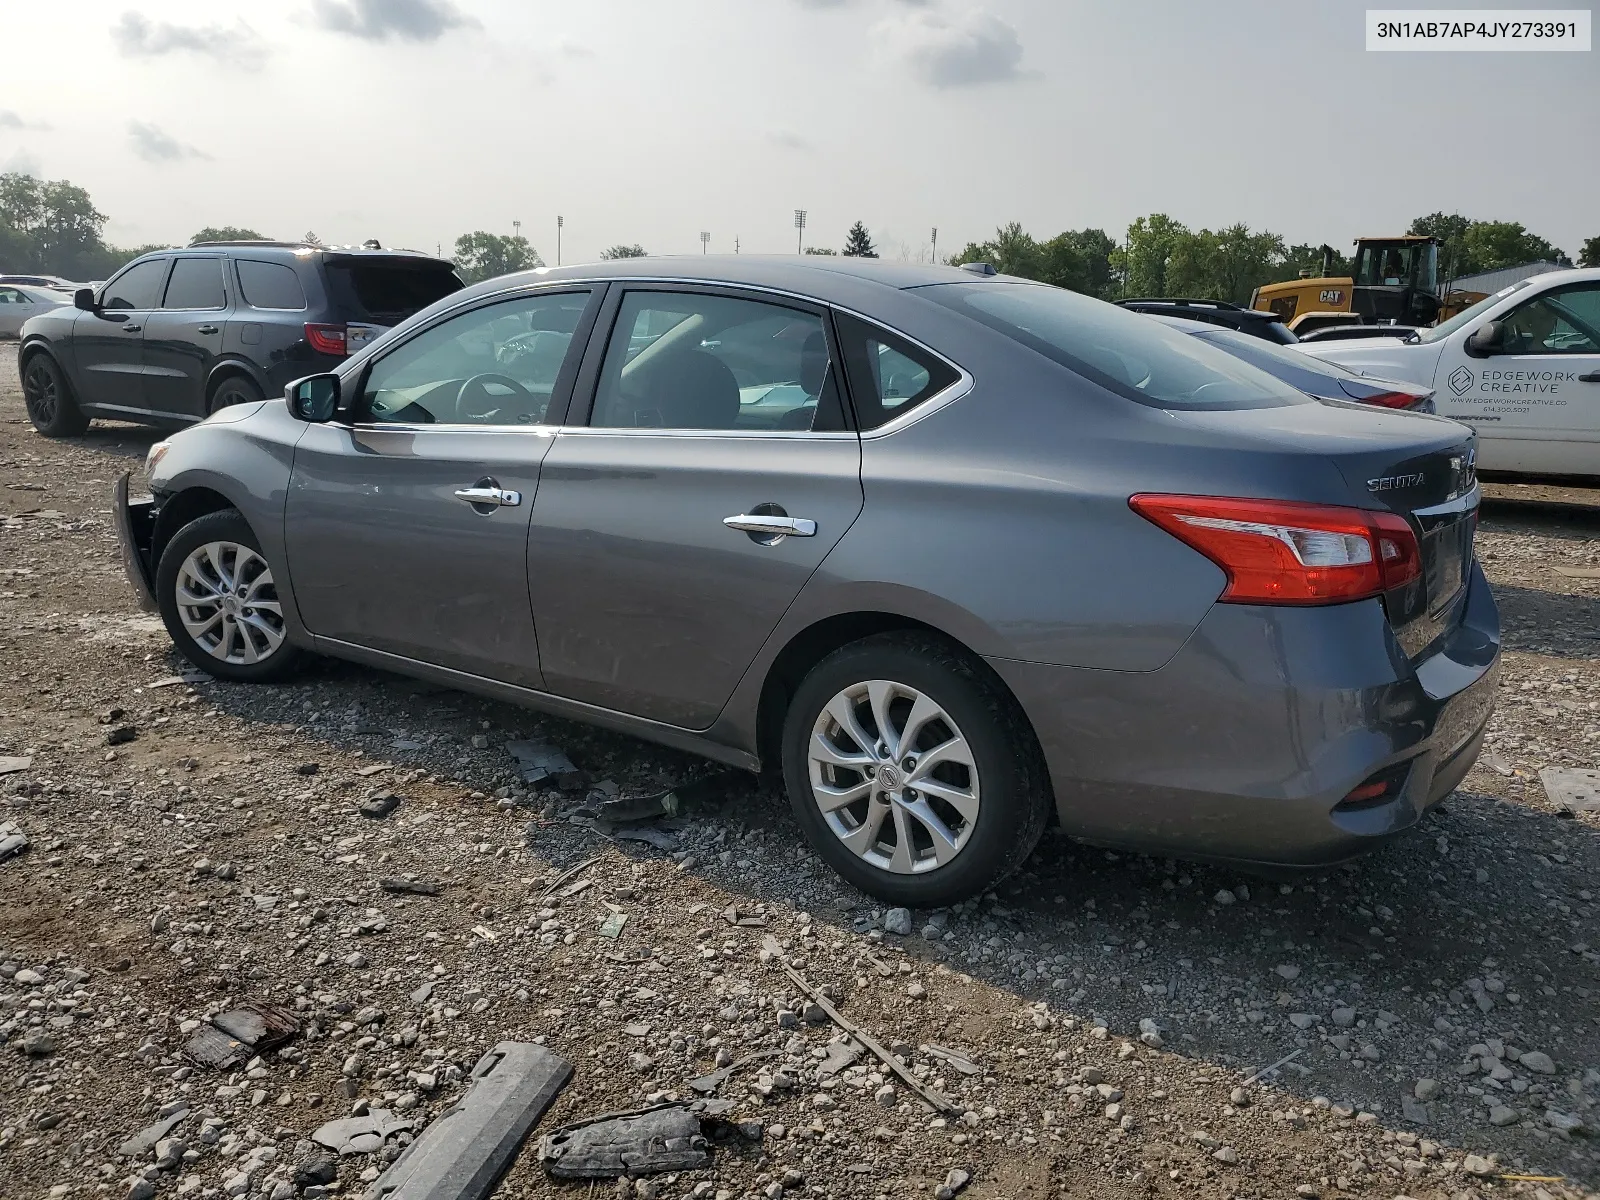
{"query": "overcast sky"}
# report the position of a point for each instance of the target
(650, 120)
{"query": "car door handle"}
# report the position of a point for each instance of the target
(132, 328)
(772, 525)
(1591, 377)
(504, 497)
(206, 329)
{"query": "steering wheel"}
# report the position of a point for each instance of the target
(474, 403)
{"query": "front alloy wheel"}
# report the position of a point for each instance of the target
(893, 777)
(228, 603)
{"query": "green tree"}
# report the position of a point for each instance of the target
(820, 250)
(1305, 260)
(52, 224)
(1468, 246)
(1076, 259)
(1589, 256)
(1147, 254)
(621, 251)
(858, 243)
(481, 255)
(310, 238)
(228, 233)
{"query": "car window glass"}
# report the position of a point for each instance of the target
(387, 291)
(139, 287)
(1122, 351)
(1564, 320)
(270, 285)
(888, 375)
(492, 366)
(11, 296)
(694, 361)
(195, 283)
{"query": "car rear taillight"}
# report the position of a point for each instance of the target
(1284, 552)
(1394, 399)
(326, 339)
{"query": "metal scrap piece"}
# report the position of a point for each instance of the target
(463, 1154)
(665, 1137)
(540, 761)
(1572, 789)
(233, 1036)
(955, 1058)
(710, 1082)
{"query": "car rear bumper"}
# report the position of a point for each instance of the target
(1243, 747)
(136, 522)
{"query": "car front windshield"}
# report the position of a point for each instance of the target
(1467, 315)
(1123, 351)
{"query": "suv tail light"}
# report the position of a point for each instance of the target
(1282, 552)
(326, 339)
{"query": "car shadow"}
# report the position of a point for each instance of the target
(1468, 928)
(1562, 624)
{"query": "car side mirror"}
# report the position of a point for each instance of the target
(84, 298)
(1486, 340)
(314, 398)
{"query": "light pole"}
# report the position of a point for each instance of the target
(516, 229)
(560, 221)
(936, 245)
(800, 225)
(704, 238)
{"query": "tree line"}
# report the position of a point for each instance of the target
(52, 227)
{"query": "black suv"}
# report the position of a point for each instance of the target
(178, 334)
(1267, 325)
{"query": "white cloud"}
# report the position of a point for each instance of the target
(954, 50)
(380, 20)
(10, 119)
(136, 36)
(156, 145)
(23, 163)
(788, 139)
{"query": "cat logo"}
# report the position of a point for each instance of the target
(1331, 296)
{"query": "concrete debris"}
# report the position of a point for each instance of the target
(709, 1083)
(11, 763)
(664, 1137)
(12, 840)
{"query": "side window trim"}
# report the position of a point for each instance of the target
(587, 385)
(952, 391)
(222, 279)
(561, 393)
(161, 288)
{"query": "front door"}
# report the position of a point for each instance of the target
(1536, 403)
(713, 476)
(108, 344)
(407, 528)
(183, 340)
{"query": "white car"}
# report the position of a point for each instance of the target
(1522, 367)
(18, 303)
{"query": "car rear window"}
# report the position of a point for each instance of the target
(1122, 351)
(195, 283)
(387, 292)
(270, 285)
(1294, 367)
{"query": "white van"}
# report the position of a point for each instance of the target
(1522, 367)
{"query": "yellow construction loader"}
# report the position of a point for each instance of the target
(1395, 282)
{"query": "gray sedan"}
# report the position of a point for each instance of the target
(19, 302)
(959, 554)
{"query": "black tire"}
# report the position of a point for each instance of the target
(229, 528)
(231, 390)
(48, 397)
(1014, 794)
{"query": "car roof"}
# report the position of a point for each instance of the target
(808, 274)
(297, 252)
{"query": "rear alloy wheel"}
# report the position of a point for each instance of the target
(220, 602)
(48, 399)
(234, 389)
(912, 772)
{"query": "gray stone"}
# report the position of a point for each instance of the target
(1426, 1089)
(898, 921)
(1302, 1020)
(886, 1096)
(954, 1181)
(1474, 1164)
(1563, 1122)
(1501, 1115)
(1344, 1018)
(1538, 1060)
(1287, 972)
(1227, 1154)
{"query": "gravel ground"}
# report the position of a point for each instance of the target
(195, 845)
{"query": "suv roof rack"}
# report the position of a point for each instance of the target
(1187, 302)
(258, 242)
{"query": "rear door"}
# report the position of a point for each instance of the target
(407, 528)
(108, 344)
(183, 340)
(1537, 402)
(712, 476)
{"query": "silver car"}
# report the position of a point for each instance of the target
(18, 302)
(959, 554)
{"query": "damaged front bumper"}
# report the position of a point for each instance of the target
(136, 523)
